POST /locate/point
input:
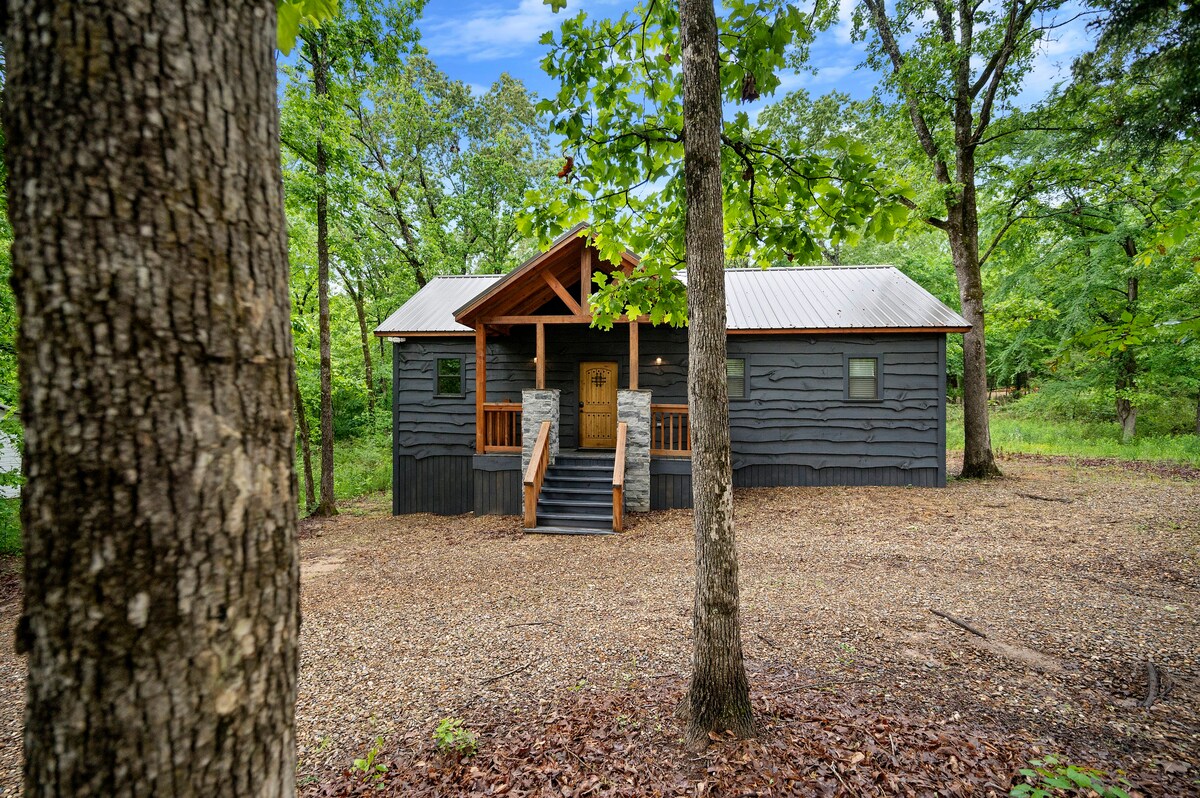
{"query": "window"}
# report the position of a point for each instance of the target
(449, 376)
(735, 377)
(863, 380)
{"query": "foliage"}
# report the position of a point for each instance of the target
(10, 526)
(619, 113)
(1047, 776)
(367, 768)
(294, 14)
(1023, 429)
(452, 739)
(364, 465)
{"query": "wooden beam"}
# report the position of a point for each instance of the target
(633, 355)
(563, 293)
(541, 357)
(480, 385)
(585, 275)
(492, 320)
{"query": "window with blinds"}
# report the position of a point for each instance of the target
(735, 377)
(863, 378)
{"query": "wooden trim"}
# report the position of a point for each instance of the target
(470, 334)
(568, 238)
(618, 482)
(538, 320)
(540, 357)
(585, 275)
(848, 330)
(633, 355)
(675, 438)
(563, 293)
(480, 385)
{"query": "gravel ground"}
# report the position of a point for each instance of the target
(1079, 575)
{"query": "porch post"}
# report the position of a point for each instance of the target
(480, 384)
(541, 357)
(633, 354)
(633, 407)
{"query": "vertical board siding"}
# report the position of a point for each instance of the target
(438, 484)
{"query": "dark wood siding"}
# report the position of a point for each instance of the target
(497, 484)
(795, 426)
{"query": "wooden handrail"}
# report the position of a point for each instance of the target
(670, 430)
(618, 483)
(535, 473)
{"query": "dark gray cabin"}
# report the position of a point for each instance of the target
(837, 376)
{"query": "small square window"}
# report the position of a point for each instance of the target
(863, 380)
(735, 377)
(449, 376)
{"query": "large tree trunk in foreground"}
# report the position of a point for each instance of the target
(718, 697)
(150, 263)
(327, 505)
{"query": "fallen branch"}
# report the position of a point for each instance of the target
(533, 623)
(1045, 498)
(766, 640)
(958, 622)
(1158, 684)
(514, 671)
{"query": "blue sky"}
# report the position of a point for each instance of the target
(476, 40)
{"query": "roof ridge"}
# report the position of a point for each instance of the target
(822, 267)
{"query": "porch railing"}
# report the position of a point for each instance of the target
(501, 427)
(535, 474)
(670, 430)
(618, 483)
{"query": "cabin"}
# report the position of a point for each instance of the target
(10, 456)
(507, 401)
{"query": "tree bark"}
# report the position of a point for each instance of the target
(160, 610)
(718, 696)
(1198, 412)
(1127, 370)
(310, 494)
(327, 506)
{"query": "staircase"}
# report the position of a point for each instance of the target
(576, 497)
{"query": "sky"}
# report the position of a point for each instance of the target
(476, 40)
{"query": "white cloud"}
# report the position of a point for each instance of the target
(492, 31)
(1052, 61)
(845, 25)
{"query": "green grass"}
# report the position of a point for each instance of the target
(1014, 431)
(10, 526)
(360, 466)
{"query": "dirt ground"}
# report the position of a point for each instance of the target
(1078, 575)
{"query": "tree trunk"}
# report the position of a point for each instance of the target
(1127, 369)
(150, 265)
(1198, 413)
(310, 495)
(328, 503)
(718, 697)
(978, 461)
(357, 293)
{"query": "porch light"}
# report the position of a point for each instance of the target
(658, 361)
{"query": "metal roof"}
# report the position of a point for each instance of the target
(431, 310)
(832, 298)
(816, 298)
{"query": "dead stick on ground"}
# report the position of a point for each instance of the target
(1045, 498)
(1151, 685)
(533, 623)
(957, 622)
(526, 666)
(767, 640)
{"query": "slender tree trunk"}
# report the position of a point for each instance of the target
(1127, 370)
(327, 505)
(718, 696)
(1198, 413)
(368, 366)
(150, 265)
(310, 494)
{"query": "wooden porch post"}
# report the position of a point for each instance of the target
(541, 357)
(585, 277)
(480, 383)
(633, 354)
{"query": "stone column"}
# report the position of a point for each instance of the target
(536, 407)
(633, 407)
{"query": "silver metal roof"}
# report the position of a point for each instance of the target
(779, 298)
(431, 310)
(831, 298)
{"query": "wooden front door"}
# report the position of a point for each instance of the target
(597, 405)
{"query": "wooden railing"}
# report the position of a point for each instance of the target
(619, 479)
(536, 473)
(670, 430)
(501, 427)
